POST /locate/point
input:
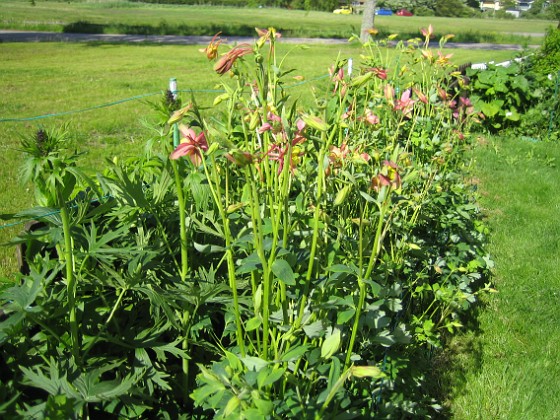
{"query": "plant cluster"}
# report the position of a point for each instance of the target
(276, 261)
(522, 96)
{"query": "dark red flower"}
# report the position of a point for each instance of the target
(225, 63)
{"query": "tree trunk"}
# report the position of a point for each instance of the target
(367, 19)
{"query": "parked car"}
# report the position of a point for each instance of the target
(344, 10)
(404, 12)
(384, 12)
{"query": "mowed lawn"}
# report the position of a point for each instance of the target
(509, 367)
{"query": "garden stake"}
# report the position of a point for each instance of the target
(173, 90)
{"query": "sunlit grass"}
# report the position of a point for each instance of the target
(512, 370)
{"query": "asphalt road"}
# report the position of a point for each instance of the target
(33, 36)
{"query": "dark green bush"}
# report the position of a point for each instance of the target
(547, 60)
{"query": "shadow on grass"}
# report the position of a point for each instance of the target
(462, 354)
(235, 29)
(163, 28)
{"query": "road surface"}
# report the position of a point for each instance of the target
(34, 36)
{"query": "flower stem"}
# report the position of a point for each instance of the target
(362, 285)
(182, 222)
(214, 184)
(315, 237)
(70, 278)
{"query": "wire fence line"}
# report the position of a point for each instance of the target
(52, 212)
(135, 98)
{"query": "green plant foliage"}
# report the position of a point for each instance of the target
(547, 60)
(502, 94)
(278, 260)
(523, 95)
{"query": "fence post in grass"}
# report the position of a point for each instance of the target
(173, 90)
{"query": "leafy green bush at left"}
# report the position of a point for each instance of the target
(276, 260)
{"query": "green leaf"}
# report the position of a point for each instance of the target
(202, 393)
(342, 268)
(253, 324)
(254, 363)
(331, 344)
(265, 407)
(284, 272)
(274, 376)
(315, 329)
(344, 316)
(491, 108)
(231, 406)
(248, 264)
(384, 338)
(367, 197)
(295, 353)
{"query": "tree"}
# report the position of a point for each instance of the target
(367, 19)
(554, 11)
(449, 8)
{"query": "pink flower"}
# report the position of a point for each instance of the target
(427, 33)
(421, 97)
(443, 94)
(404, 104)
(379, 181)
(338, 154)
(459, 134)
(371, 118)
(443, 59)
(428, 55)
(225, 63)
(191, 145)
(278, 152)
(266, 34)
(388, 177)
(338, 79)
(466, 102)
(379, 72)
(265, 127)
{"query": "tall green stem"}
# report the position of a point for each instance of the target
(182, 222)
(214, 184)
(317, 212)
(362, 285)
(70, 278)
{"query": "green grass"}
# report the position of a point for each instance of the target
(512, 370)
(125, 17)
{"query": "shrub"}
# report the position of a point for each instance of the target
(547, 60)
(502, 94)
(523, 96)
